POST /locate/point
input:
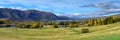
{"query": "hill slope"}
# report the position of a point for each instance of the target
(104, 32)
(14, 14)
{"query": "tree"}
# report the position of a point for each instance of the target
(1, 22)
(90, 22)
(27, 26)
(7, 25)
(41, 26)
(95, 23)
(20, 25)
(36, 25)
(71, 25)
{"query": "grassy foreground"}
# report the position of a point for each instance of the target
(104, 32)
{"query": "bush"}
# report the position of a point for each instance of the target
(71, 25)
(85, 30)
(55, 26)
(27, 26)
(36, 25)
(41, 26)
(20, 25)
(7, 25)
(23, 26)
(1, 22)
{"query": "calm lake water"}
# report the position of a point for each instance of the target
(8, 27)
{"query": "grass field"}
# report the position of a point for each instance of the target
(104, 32)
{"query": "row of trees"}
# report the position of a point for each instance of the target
(34, 25)
(72, 24)
(5, 23)
(103, 21)
(92, 21)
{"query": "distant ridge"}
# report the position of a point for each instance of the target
(15, 14)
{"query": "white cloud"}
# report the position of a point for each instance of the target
(70, 5)
(103, 5)
(19, 8)
(70, 14)
(49, 3)
(76, 14)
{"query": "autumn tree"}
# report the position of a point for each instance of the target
(36, 25)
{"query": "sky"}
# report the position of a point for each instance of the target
(59, 7)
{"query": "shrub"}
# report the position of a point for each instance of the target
(1, 22)
(36, 25)
(76, 25)
(7, 25)
(20, 25)
(41, 26)
(23, 26)
(85, 30)
(27, 26)
(55, 26)
(71, 25)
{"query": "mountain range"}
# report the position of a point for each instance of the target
(15, 14)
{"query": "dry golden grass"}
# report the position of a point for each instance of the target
(103, 32)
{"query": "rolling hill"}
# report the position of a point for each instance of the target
(103, 32)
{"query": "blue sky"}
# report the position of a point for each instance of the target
(56, 6)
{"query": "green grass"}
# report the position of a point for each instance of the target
(103, 32)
